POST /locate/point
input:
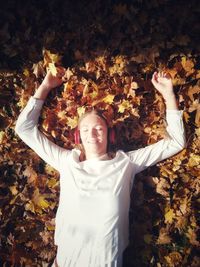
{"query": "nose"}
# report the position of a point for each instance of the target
(92, 132)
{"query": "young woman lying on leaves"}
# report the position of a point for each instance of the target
(93, 214)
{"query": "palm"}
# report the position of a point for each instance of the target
(52, 81)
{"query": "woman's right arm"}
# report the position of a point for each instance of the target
(27, 124)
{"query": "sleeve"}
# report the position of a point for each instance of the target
(27, 129)
(175, 142)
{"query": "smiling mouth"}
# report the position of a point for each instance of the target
(93, 142)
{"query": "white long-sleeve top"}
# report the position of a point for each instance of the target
(92, 216)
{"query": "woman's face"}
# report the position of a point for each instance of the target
(93, 132)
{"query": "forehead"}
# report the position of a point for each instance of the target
(92, 119)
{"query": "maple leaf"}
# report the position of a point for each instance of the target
(169, 216)
(51, 58)
(174, 259)
(108, 99)
(124, 105)
(39, 201)
(81, 111)
(2, 137)
(72, 122)
(191, 234)
(188, 65)
(164, 237)
(52, 68)
(31, 174)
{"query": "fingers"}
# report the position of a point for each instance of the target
(160, 75)
(164, 74)
(60, 72)
(154, 79)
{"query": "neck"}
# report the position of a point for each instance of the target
(96, 155)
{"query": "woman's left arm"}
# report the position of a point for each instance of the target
(150, 155)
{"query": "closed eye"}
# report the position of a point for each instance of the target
(84, 130)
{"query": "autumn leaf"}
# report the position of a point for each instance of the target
(52, 68)
(39, 201)
(109, 62)
(50, 57)
(174, 259)
(169, 216)
(164, 237)
(124, 105)
(72, 122)
(108, 99)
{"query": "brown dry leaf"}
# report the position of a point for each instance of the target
(194, 160)
(192, 90)
(174, 259)
(188, 65)
(164, 237)
(31, 174)
(192, 235)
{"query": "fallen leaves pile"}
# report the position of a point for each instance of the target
(110, 50)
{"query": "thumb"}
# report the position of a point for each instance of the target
(154, 78)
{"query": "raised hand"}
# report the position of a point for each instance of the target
(51, 81)
(162, 81)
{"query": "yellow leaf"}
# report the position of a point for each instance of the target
(72, 123)
(62, 114)
(26, 72)
(109, 99)
(39, 200)
(123, 106)
(51, 57)
(194, 160)
(169, 216)
(52, 69)
(2, 136)
(50, 225)
(52, 182)
(30, 206)
(50, 170)
(43, 203)
(80, 111)
(13, 189)
(188, 65)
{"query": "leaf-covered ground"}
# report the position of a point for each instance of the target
(110, 50)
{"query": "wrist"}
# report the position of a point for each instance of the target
(44, 87)
(171, 102)
(169, 96)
